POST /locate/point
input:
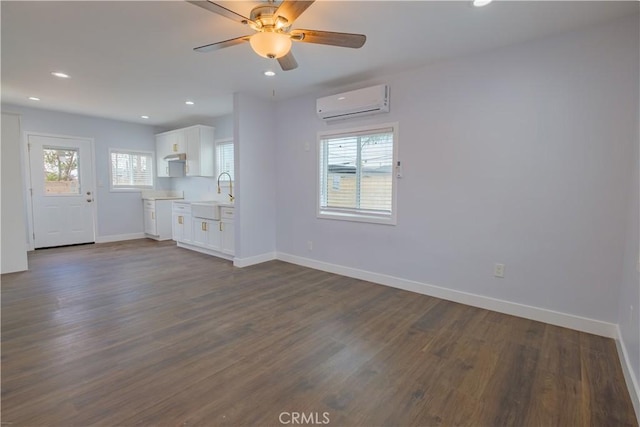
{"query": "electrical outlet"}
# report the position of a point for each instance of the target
(310, 245)
(498, 270)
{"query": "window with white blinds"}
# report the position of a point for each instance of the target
(357, 179)
(224, 157)
(131, 170)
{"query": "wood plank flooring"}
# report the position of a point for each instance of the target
(145, 333)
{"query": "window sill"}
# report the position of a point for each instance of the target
(357, 217)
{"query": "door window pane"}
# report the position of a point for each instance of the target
(61, 171)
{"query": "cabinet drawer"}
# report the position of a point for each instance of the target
(184, 208)
(226, 213)
(150, 204)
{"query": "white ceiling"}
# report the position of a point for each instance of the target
(128, 59)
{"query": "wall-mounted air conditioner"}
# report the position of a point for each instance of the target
(356, 103)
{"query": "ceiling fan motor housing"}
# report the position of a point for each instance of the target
(266, 20)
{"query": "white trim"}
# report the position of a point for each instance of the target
(627, 370)
(349, 214)
(565, 320)
(131, 188)
(206, 251)
(26, 167)
(119, 237)
(258, 259)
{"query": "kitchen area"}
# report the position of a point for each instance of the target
(193, 203)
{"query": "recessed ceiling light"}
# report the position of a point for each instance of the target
(189, 102)
(269, 73)
(480, 3)
(61, 75)
(144, 117)
(34, 98)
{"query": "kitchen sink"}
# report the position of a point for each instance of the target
(206, 210)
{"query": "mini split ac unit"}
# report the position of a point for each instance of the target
(357, 103)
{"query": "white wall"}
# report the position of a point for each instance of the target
(255, 169)
(629, 302)
(13, 253)
(203, 188)
(118, 213)
(519, 155)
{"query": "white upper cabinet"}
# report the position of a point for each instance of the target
(163, 147)
(177, 141)
(196, 142)
(200, 151)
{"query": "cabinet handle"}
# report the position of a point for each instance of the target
(153, 215)
(220, 226)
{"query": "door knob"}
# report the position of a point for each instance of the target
(88, 193)
(89, 200)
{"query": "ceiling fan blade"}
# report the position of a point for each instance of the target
(217, 46)
(291, 9)
(288, 62)
(221, 10)
(354, 41)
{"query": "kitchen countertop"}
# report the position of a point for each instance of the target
(161, 195)
(224, 204)
(162, 198)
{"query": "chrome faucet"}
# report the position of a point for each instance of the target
(230, 185)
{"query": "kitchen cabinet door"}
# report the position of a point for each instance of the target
(150, 224)
(177, 143)
(228, 237)
(206, 233)
(182, 228)
(200, 150)
(163, 148)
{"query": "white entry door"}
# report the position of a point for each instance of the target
(62, 190)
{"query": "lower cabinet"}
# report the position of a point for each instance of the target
(227, 229)
(213, 237)
(157, 219)
(182, 229)
(228, 237)
(206, 233)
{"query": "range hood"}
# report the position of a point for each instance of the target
(176, 157)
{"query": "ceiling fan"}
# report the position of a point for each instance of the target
(274, 36)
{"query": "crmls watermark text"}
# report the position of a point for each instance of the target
(304, 418)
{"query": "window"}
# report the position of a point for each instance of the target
(357, 181)
(61, 175)
(131, 170)
(224, 157)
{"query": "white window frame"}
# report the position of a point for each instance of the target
(131, 188)
(346, 214)
(224, 142)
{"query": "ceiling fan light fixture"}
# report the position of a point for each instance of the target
(480, 3)
(270, 45)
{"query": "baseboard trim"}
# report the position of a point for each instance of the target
(257, 259)
(119, 237)
(629, 376)
(565, 320)
(205, 251)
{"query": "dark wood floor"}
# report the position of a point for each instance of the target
(145, 333)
